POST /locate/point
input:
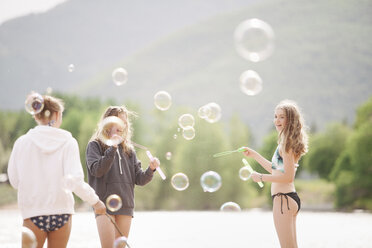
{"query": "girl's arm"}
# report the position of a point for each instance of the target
(142, 177)
(286, 177)
(73, 169)
(12, 167)
(98, 165)
(266, 164)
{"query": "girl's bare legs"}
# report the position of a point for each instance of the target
(107, 231)
(59, 238)
(123, 222)
(56, 239)
(40, 235)
(285, 224)
(294, 225)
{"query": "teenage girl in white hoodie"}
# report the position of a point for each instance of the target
(39, 162)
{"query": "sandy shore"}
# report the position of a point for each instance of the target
(253, 228)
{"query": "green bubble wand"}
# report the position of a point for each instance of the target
(241, 149)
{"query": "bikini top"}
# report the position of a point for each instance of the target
(277, 161)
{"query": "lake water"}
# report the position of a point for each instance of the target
(253, 228)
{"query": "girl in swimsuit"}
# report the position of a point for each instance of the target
(40, 160)
(292, 144)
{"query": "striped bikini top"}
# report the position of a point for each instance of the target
(277, 161)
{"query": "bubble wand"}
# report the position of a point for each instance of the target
(161, 173)
(148, 153)
(251, 170)
(241, 149)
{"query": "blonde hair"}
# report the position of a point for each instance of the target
(115, 111)
(293, 136)
(51, 105)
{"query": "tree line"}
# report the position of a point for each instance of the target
(341, 154)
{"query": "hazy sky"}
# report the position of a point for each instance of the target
(10, 9)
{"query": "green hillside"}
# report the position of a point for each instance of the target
(322, 59)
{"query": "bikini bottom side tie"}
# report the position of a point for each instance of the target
(293, 195)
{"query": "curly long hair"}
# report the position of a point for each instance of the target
(115, 111)
(293, 136)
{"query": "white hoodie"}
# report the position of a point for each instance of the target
(38, 163)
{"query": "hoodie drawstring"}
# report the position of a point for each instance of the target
(121, 171)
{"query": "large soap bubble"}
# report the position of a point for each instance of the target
(186, 120)
(244, 173)
(162, 100)
(180, 181)
(34, 103)
(211, 181)
(120, 76)
(204, 112)
(113, 203)
(28, 238)
(188, 133)
(254, 40)
(111, 130)
(214, 112)
(250, 83)
(230, 206)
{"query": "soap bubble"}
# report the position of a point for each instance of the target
(121, 242)
(34, 103)
(211, 181)
(254, 40)
(28, 238)
(188, 133)
(204, 111)
(71, 67)
(244, 173)
(250, 83)
(180, 181)
(186, 120)
(214, 112)
(230, 206)
(120, 76)
(168, 155)
(162, 100)
(3, 177)
(111, 131)
(113, 203)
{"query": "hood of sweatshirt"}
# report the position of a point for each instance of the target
(48, 139)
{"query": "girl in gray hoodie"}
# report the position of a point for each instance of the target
(115, 169)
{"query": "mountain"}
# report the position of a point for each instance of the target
(322, 57)
(36, 50)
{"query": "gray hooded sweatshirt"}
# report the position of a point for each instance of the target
(114, 172)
